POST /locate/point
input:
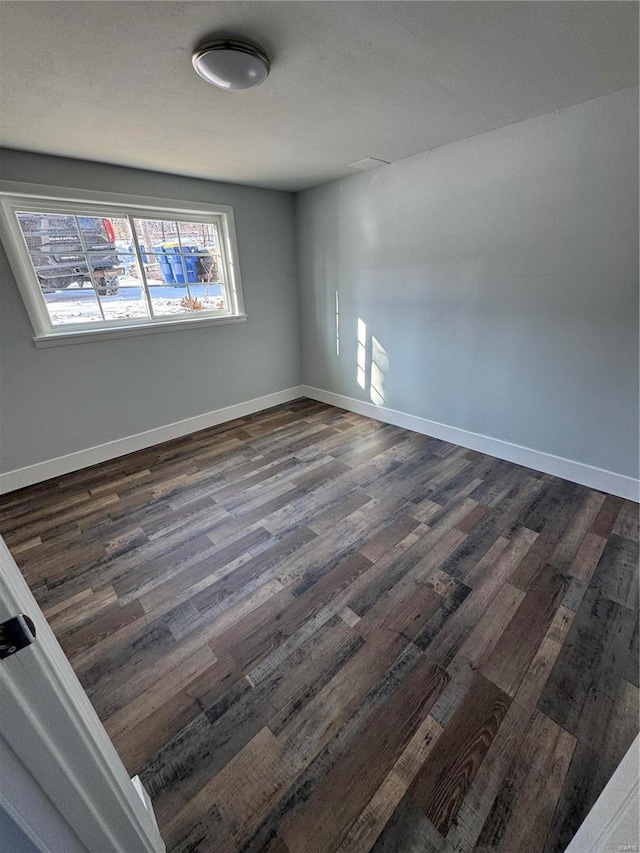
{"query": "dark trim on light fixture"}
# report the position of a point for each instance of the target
(233, 46)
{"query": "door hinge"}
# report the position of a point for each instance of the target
(16, 634)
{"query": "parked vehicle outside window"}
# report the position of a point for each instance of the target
(85, 267)
(70, 250)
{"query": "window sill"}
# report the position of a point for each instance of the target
(60, 339)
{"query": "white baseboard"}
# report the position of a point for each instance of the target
(136, 781)
(121, 446)
(567, 469)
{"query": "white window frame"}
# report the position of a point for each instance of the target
(15, 196)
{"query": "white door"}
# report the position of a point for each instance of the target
(48, 723)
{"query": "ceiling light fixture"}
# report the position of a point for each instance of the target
(231, 65)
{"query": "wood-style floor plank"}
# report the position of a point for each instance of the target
(442, 783)
(525, 804)
(312, 632)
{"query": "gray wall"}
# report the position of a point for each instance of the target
(63, 399)
(499, 274)
(20, 792)
(12, 838)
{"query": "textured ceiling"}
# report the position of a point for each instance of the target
(112, 81)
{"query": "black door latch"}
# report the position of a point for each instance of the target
(16, 634)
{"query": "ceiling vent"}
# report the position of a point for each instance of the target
(367, 163)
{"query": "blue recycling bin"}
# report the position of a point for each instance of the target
(191, 261)
(165, 266)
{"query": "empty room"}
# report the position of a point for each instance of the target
(319, 426)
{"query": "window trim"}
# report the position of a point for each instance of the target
(17, 195)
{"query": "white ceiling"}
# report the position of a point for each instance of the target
(113, 81)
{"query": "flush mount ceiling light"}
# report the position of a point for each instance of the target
(231, 65)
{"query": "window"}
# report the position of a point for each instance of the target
(92, 268)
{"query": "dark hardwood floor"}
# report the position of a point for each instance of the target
(311, 632)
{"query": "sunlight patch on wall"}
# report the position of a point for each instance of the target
(379, 367)
(337, 324)
(361, 373)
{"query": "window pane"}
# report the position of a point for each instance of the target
(211, 267)
(119, 287)
(103, 233)
(165, 303)
(53, 233)
(56, 273)
(126, 257)
(184, 265)
(127, 303)
(211, 295)
(72, 301)
(152, 233)
(107, 272)
(210, 288)
(161, 270)
(167, 295)
(201, 234)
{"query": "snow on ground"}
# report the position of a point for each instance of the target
(80, 305)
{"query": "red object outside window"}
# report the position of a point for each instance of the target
(111, 234)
